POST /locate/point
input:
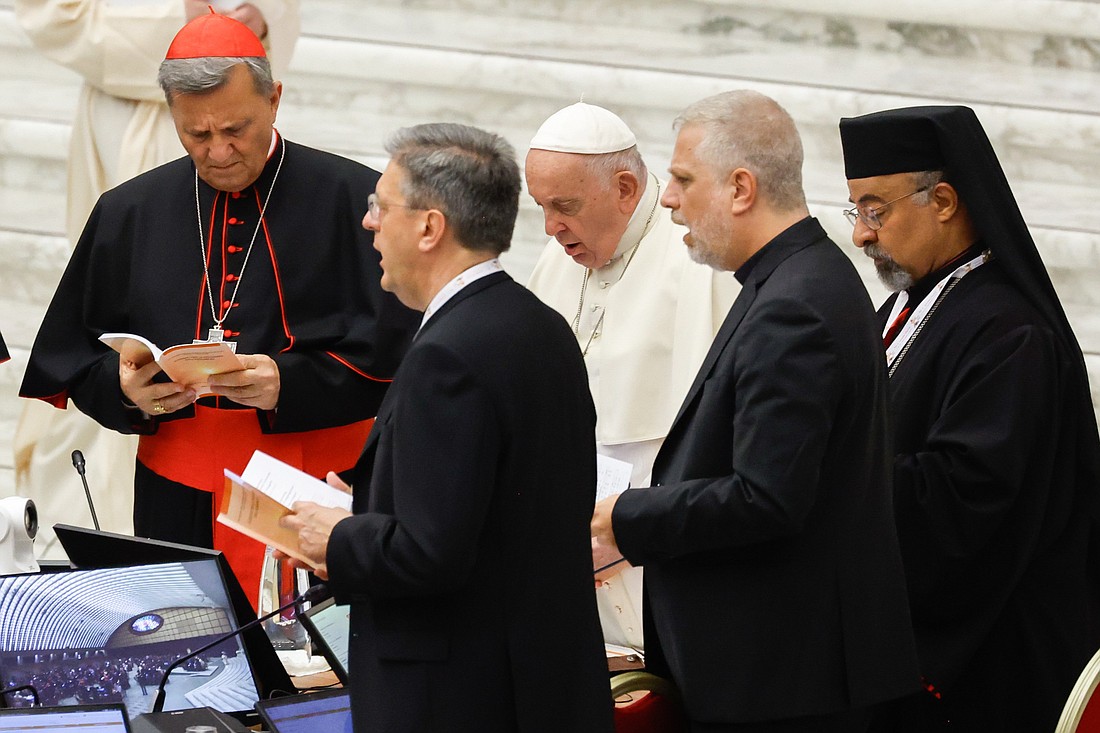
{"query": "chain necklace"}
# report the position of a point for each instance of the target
(915, 324)
(216, 332)
(588, 271)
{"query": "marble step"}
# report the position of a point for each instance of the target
(705, 36)
(1029, 32)
(1056, 19)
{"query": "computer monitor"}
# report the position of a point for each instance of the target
(92, 548)
(108, 634)
(103, 718)
(329, 628)
(328, 711)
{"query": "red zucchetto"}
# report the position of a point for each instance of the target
(215, 35)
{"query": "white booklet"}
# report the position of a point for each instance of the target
(612, 476)
(286, 484)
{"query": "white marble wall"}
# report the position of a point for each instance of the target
(1030, 68)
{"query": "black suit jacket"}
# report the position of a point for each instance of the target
(774, 584)
(480, 468)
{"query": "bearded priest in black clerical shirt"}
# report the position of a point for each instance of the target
(252, 239)
(995, 441)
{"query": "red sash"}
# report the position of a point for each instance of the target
(193, 453)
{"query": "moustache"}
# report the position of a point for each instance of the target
(875, 252)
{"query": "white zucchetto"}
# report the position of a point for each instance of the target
(583, 128)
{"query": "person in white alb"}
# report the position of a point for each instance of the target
(643, 313)
(121, 128)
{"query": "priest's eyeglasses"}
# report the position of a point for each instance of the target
(374, 208)
(869, 216)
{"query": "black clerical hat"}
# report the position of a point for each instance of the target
(894, 141)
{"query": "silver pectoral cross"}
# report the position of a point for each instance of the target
(214, 336)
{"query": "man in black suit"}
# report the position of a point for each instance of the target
(774, 588)
(479, 467)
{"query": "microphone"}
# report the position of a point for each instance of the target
(311, 595)
(78, 464)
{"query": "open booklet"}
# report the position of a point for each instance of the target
(255, 501)
(188, 364)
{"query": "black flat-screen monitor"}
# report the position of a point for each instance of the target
(328, 711)
(108, 634)
(101, 718)
(92, 548)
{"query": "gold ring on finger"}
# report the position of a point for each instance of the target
(158, 407)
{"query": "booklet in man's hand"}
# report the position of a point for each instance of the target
(255, 501)
(187, 364)
(255, 514)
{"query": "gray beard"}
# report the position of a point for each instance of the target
(703, 256)
(889, 272)
(703, 251)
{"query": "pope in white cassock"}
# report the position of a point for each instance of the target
(643, 313)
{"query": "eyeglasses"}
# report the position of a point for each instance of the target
(870, 216)
(374, 208)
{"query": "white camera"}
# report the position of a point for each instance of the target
(18, 526)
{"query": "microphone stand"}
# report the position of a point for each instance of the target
(78, 464)
(311, 595)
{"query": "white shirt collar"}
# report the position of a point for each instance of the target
(464, 278)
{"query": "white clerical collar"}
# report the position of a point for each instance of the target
(274, 141)
(640, 219)
(466, 277)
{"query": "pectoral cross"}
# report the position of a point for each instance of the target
(214, 336)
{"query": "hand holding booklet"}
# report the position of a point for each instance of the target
(255, 501)
(187, 364)
(612, 479)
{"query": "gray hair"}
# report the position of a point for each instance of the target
(205, 74)
(745, 129)
(925, 181)
(605, 165)
(469, 174)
